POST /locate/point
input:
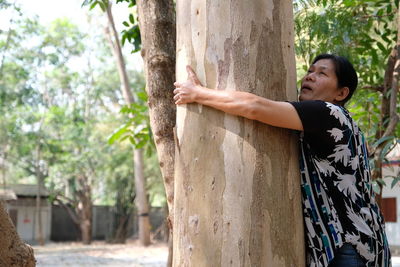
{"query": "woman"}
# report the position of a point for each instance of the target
(343, 224)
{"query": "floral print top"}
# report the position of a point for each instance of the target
(338, 202)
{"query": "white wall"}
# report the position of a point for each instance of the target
(27, 222)
(392, 229)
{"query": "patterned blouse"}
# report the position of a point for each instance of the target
(338, 202)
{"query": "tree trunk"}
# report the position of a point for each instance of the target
(142, 202)
(140, 183)
(86, 231)
(84, 209)
(13, 252)
(158, 35)
(40, 238)
(237, 184)
(157, 27)
(122, 230)
(388, 116)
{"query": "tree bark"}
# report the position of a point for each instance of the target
(140, 183)
(13, 252)
(84, 209)
(158, 36)
(40, 238)
(142, 202)
(388, 116)
(237, 184)
(157, 27)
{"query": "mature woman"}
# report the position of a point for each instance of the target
(343, 224)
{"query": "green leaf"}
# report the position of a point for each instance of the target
(142, 96)
(394, 182)
(388, 147)
(141, 144)
(123, 40)
(132, 140)
(376, 187)
(381, 182)
(117, 134)
(125, 23)
(131, 19)
(93, 5)
(381, 140)
(381, 47)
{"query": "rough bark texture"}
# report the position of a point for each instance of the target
(158, 34)
(157, 27)
(237, 184)
(140, 184)
(13, 252)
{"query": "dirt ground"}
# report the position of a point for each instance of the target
(100, 254)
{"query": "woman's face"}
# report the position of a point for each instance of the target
(321, 83)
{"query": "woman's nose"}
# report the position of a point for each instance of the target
(309, 77)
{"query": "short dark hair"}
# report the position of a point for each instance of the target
(345, 73)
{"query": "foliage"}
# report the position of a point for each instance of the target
(132, 31)
(67, 110)
(365, 32)
(137, 128)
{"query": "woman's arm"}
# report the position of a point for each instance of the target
(275, 113)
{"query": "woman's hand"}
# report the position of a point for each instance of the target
(186, 92)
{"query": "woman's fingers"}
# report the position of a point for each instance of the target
(192, 75)
(178, 97)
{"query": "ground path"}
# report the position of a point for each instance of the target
(100, 254)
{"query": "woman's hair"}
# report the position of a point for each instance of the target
(345, 73)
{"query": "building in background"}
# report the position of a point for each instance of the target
(390, 205)
(21, 205)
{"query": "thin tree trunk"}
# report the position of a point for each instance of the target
(141, 199)
(237, 184)
(388, 117)
(84, 209)
(158, 36)
(140, 184)
(157, 27)
(40, 238)
(13, 252)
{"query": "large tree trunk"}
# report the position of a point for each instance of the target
(13, 252)
(140, 183)
(157, 27)
(237, 184)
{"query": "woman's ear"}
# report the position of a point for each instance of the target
(342, 94)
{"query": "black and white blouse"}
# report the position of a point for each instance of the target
(338, 201)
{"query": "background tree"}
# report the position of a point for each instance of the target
(77, 107)
(13, 251)
(366, 32)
